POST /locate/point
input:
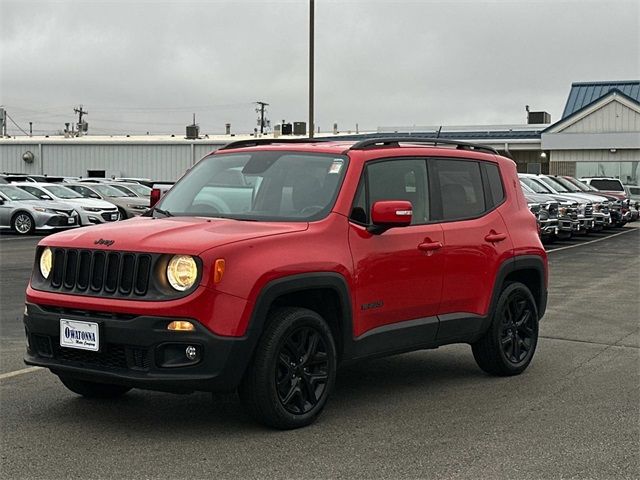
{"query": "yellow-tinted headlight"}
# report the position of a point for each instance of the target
(46, 261)
(182, 272)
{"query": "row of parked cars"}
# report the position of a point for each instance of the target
(565, 206)
(30, 203)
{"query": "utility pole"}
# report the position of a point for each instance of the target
(80, 113)
(3, 122)
(261, 110)
(311, 51)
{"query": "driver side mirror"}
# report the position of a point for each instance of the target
(388, 214)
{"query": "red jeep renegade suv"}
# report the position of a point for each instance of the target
(272, 262)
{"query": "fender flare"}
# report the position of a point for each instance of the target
(515, 264)
(301, 282)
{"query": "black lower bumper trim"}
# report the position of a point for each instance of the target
(133, 350)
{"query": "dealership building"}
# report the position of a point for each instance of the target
(598, 134)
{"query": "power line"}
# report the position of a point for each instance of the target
(17, 126)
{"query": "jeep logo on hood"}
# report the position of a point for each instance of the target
(106, 243)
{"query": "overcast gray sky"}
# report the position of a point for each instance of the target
(142, 66)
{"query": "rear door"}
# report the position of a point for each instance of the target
(476, 240)
(398, 274)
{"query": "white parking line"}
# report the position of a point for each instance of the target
(592, 241)
(4, 376)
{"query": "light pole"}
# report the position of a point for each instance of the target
(311, 48)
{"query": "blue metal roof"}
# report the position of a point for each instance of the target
(584, 93)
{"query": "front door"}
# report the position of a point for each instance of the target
(398, 273)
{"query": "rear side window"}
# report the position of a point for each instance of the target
(460, 186)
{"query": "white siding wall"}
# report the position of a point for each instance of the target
(11, 159)
(612, 118)
(155, 161)
(595, 156)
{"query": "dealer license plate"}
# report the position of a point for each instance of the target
(82, 335)
(114, 216)
(71, 220)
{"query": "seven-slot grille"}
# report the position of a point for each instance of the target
(98, 272)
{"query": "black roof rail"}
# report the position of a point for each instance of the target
(396, 141)
(254, 142)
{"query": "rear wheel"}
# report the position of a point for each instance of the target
(293, 370)
(508, 346)
(92, 389)
(23, 223)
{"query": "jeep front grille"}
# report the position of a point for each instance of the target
(98, 272)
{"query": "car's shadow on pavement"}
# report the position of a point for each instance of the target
(367, 385)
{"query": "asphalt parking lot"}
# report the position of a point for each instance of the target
(575, 413)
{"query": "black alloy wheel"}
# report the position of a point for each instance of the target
(517, 328)
(293, 369)
(508, 346)
(302, 371)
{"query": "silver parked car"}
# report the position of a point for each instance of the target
(91, 211)
(24, 213)
(128, 204)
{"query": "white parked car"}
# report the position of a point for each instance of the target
(92, 211)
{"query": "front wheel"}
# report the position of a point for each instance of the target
(508, 346)
(23, 224)
(92, 389)
(293, 370)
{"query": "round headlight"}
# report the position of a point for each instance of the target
(46, 261)
(182, 272)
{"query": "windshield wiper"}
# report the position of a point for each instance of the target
(166, 213)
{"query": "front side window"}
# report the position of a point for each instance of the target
(261, 185)
(461, 190)
(400, 179)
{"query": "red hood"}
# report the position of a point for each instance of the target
(188, 235)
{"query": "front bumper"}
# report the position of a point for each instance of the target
(549, 227)
(49, 221)
(568, 224)
(586, 223)
(138, 352)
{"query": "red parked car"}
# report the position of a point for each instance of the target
(271, 263)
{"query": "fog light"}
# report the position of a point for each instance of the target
(191, 352)
(180, 325)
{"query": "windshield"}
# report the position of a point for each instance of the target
(62, 192)
(551, 184)
(15, 193)
(140, 190)
(583, 187)
(262, 185)
(535, 186)
(566, 184)
(124, 189)
(608, 184)
(109, 191)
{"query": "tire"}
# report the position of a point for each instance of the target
(23, 224)
(496, 352)
(93, 390)
(123, 214)
(293, 370)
